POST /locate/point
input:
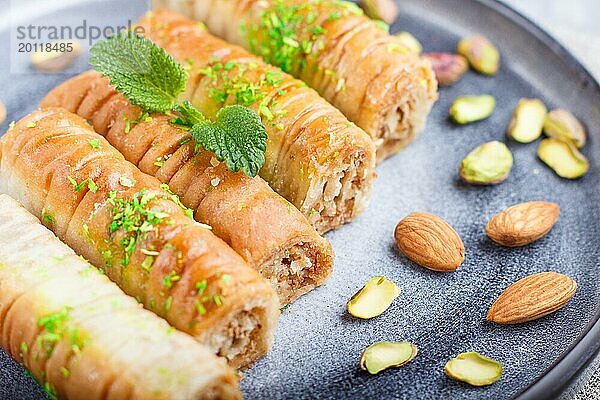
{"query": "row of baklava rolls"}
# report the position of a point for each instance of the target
(127, 197)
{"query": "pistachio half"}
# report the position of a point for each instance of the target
(483, 56)
(467, 109)
(383, 355)
(474, 369)
(410, 42)
(385, 10)
(561, 123)
(563, 157)
(374, 298)
(487, 164)
(527, 121)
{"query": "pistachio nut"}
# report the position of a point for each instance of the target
(449, 68)
(58, 59)
(488, 164)
(474, 369)
(374, 298)
(561, 123)
(383, 355)
(563, 157)
(483, 56)
(385, 10)
(527, 121)
(469, 109)
(410, 42)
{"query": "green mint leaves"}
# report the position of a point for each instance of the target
(228, 137)
(150, 78)
(142, 71)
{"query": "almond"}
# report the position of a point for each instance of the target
(430, 241)
(523, 223)
(532, 297)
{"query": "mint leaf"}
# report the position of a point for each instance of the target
(237, 137)
(189, 115)
(142, 71)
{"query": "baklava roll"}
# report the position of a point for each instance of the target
(138, 232)
(265, 229)
(315, 158)
(351, 60)
(81, 337)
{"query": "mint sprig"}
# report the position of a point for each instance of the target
(228, 135)
(150, 78)
(139, 69)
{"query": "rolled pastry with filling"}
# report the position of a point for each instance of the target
(138, 232)
(315, 158)
(265, 229)
(351, 60)
(81, 337)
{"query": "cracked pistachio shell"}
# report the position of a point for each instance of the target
(488, 164)
(474, 369)
(561, 123)
(467, 109)
(563, 157)
(527, 121)
(410, 42)
(383, 355)
(483, 56)
(374, 298)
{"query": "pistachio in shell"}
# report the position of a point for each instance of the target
(374, 298)
(487, 164)
(384, 355)
(563, 124)
(563, 157)
(467, 109)
(527, 121)
(483, 56)
(474, 369)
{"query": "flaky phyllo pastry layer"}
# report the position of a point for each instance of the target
(137, 230)
(315, 158)
(265, 229)
(81, 337)
(351, 60)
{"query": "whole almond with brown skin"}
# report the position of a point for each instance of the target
(430, 241)
(523, 223)
(532, 297)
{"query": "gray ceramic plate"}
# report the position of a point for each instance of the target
(318, 344)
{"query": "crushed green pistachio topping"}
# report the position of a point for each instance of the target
(130, 123)
(244, 90)
(92, 186)
(291, 32)
(135, 218)
(55, 328)
(170, 279)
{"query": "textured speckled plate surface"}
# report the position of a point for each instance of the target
(318, 344)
